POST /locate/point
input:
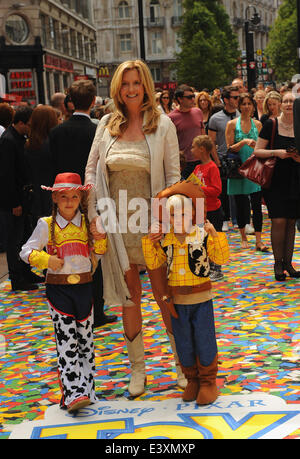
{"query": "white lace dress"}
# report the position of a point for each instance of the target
(128, 166)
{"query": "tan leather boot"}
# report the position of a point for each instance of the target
(208, 391)
(191, 391)
(181, 380)
(136, 358)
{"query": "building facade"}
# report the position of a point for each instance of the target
(241, 10)
(66, 36)
(118, 38)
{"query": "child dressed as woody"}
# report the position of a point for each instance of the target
(186, 249)
(70, 249)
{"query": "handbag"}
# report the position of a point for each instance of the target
(260, 170)
(230, 165)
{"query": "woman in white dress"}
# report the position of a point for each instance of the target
(135, 151)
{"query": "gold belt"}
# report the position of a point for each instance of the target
(69, 279)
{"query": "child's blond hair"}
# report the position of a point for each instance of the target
(204, 141)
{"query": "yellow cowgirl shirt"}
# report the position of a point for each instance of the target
(179, 271)
(71, 245)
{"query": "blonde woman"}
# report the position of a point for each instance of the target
(259, 98)
(135, 151)
(271, 106)
(203, 102)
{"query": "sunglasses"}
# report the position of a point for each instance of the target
(234, 97)
(192, 96)
(165, 97)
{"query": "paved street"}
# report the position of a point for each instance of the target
(258, 331)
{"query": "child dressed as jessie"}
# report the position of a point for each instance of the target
(68, 260)
(186, 249)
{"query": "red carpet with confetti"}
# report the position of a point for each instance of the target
(258, 331)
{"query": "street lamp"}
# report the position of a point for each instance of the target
(141, 29)
(251, 71)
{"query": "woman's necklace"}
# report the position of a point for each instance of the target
(288, 127)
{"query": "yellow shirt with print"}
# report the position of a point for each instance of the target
(180, 273)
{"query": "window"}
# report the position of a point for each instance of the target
(44, 27)
(156, 74)
(65, 39)
(80, 45)
(93, 51)
(154, 10)
(177, 8)
(125, 42)
(46, 35)
(56, 83)
(51, 28)
(123, 10)
(156, 43)
(56, 31)
(73, 43)
(87, 49)
(177, 43)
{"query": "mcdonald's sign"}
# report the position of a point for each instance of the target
(103, 72)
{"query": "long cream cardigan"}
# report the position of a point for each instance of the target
(164, 171)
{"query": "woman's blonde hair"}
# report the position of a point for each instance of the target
(271, 95)
(259, 92)
(118, 120)
(207, 97)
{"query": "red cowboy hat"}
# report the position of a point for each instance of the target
(67, 181)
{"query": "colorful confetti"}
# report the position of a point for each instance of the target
(258, 330)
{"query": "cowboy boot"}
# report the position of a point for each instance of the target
(181, 380)
(136, 356)
(192, 388)
(208, 391)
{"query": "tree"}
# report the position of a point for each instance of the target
(209, 48)
(281, 50)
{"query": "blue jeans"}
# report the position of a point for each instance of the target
(194, 333)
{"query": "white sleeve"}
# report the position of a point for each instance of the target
(37, 241)
(171, 156)
(91, 167)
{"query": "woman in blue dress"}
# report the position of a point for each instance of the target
(241, 135)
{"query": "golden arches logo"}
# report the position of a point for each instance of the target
(103, 72)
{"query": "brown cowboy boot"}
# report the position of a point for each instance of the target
(192, 388)
(208, 391)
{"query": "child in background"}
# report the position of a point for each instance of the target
(70, 248)
(209, 176)
(186, 249)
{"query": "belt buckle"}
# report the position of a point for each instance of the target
(73, 279)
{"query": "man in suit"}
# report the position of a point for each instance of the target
(70, 144)
(14, 176)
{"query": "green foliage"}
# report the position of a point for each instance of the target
(281, 50)
(209, 48)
